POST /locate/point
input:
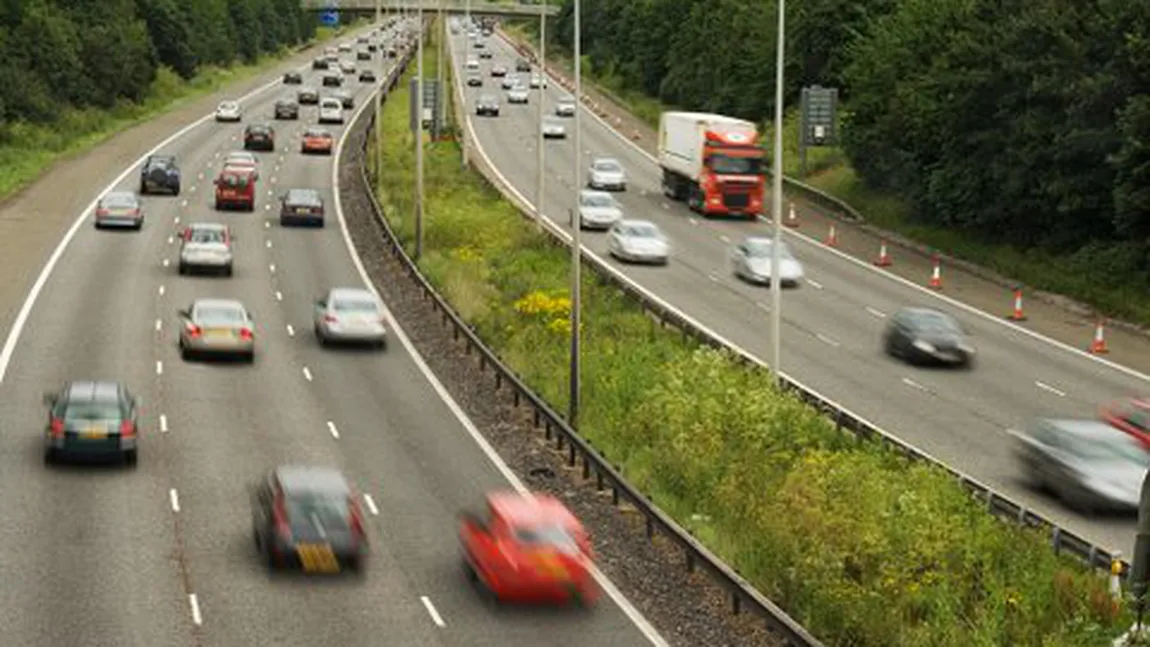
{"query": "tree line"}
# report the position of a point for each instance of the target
(57, 54)
(1020, 121)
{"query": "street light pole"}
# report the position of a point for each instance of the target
(777, 204)
(576, 238)
(541, 142)
(441, 75)
(419, 138)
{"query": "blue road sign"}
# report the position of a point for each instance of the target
(329, 18)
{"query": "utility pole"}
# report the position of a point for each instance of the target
(419, 139)
(541, 162)
(441, 75)
(777, 204)
(576, 238)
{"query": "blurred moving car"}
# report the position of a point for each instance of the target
(927, 336)
(317, 140)
(91, 418)
(565, 107)
(260, 137)
(1131, 415)
(528, 549)
(598, 210)
(487, 105)
(160, 174)
(330, 111)
(350, 315)
(307, 96)
(293, 78)
(229, 111)
(751, 261)
(363, 55)
(638, 241)
(236, 189)
(287, 108)
(607, 174)
(301, 206)
(509, 82)
(206, 246)
(347, 67)
(309, 518)
(538, 81)
(1088, 464)
(217, 327)
(119, 209)
(367, 76)
(554, 129)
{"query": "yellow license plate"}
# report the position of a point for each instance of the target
(94, 433)
(218, 334)
(553, 568)
(317, 558)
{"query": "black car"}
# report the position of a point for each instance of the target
(301, 206)
(367, 76)
(307, 96)
(332, 80)
(926, 336)
(346, 99)
(391, 52)
(160, 174)
(293, 78)
(487, 105)
(309, 518)
(475, 81)
(363, 55)
(486, 53)
(522, 65)
(372, 47)
(259, 137)
(319, 64)
(287, 109)
(91, 419)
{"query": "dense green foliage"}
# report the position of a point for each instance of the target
(57, 54)
(1024, 122)
(862, 547)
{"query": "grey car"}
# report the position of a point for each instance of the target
(350, 315)
(607, 173)
(91, 419)
(119, 209)
(508, 82)
(303, 207)
(751, 261)
(554, 129)
(598, 210)
(206, 246)
(219, 327)
(638, 241)
(518, 94)
(1088, 464)
(287, 108)
(565, 107)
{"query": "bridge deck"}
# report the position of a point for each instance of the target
(453, 6)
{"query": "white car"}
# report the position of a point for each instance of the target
(229, 111)
(350, 315)
(330, 111)
(751, 261)
(347, 67)
(554, 129)
(518, 94)
(538, 81)
(472, 64)
(565, 107)
(607, 173)
(598, 210)
(638, 241)
(509, 82)
(206, 246)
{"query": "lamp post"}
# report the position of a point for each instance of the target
(777, 204)
(419, 137)
(576, 239)
(441, 75)
(540, 168)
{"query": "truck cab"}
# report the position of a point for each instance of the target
(712, 162)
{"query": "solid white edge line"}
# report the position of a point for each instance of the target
(174, 497)
(431, 611)
(633, 614)
(922, 290)
(371, 505)
(194, 602)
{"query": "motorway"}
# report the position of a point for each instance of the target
(832, 324)
(163, 555)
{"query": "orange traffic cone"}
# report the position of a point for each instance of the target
(832, 238)
(883, 259)
(792, 218)
(935, 282)
(1017, 315)
(1098, 345)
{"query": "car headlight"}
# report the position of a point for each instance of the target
(924, 346)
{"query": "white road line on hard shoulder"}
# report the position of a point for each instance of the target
(814, 284)
(267, 207)
(912, 384)
(605, 584)
(332, 429)
(827, 340)
(876, 312)
(431, 611)
(184, 203)
(1046, 387)
(371, 505)
(176, 220)
(159, 367)
(163, 424)
(307, 374)
(291, 331)
(174, 497)
(194, 602)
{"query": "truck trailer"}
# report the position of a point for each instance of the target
(713, 162)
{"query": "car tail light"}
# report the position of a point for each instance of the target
(101, 212)
(57, 428)
(330, 318)
(279, 516)
(356, 519)
(246, 334)
(128, 429)
(194, 330)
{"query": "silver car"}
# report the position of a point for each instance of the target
(554, 129)
(509, 82)
(229, 111)
(565, 107)
(638, 241)
(347, 67)
(518, 94)
(751, 261)
(119, 209)
(330, 111)
(1090, 465)
(598, 210)
(538, 81)
(217, 327)
(607, 173)
(206, 246)
(350, 315)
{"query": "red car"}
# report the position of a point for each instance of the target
(528, 549)
(1131, 415)
(236, 188)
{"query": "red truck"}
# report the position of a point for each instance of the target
(713, 162)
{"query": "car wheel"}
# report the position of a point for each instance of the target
(228, 271)
(381, 344)
(250, 358)
(50, 456)
(139, 225)
(131, 457)
(182, 269)
(320, 337)
(176, 191)
(185, 352)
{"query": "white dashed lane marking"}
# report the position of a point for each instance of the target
(195, 604)
(307, 374)
(331, 428)
(159, 325)
(163, 424)
(161, 290)
(1050, 389)
(166, 262)
(431, 611)
(174, 497)
(159, 367)
(272, 268)
(371, 505)
(912, 384)
(814, 284)
(874, 312)
(279, 296)
(291, 331)
(827, 340)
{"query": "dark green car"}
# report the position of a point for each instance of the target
(89, 419)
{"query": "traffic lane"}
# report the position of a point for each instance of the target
(89, 551)
(401, 437)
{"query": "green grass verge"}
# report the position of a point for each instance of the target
(1107, 277)
(863, 547)
(28, 150)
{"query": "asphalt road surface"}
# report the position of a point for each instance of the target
(163, 555)
(832, 324)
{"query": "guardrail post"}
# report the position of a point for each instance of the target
(736, 603)
(1056, 539)
(572, 455)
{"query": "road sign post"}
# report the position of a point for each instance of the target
(329, 17)
(817, 121)
(430, 112)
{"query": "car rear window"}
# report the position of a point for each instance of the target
(207, 236)
(119, 200)
(546, 536)
(234, 180)
(354, 305)
(219, 315)
(92, 410)
(313, 516)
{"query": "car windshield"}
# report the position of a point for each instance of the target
(1110, 448)
(234, 180)
(303, 198)
(240, 158)
(937, 322)
(609, 166)
(92, 411)
(315, 514)
(546, 536)
(353, 305)
(643, 230)
(727, 165)
(207, 236)
(229, 105)
(316, 133)
(552, 123)
(119, 200)
(219, 315)
(598, 200)
(487, 98)
(331, 104)
(762, 249)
